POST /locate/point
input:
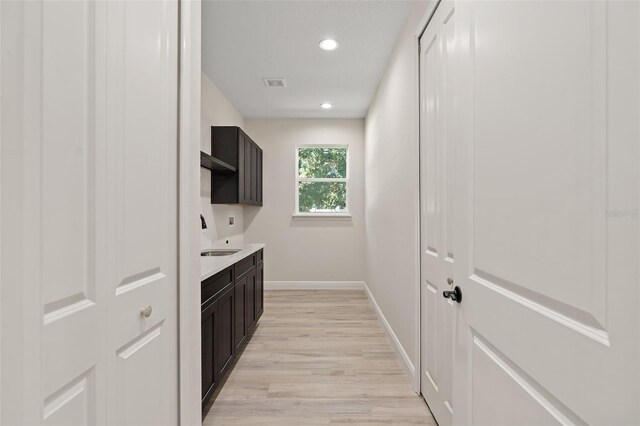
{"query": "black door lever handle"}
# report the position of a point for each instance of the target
(455, 294)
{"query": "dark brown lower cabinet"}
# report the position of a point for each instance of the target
(232, 302)
(223, 332)
(208, 376)
(240, 294)
(259, 296)
(251, 302)
(217, 340)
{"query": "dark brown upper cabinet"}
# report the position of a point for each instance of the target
(232, 146)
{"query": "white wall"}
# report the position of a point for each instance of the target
(217, 111)
(391, 188)
(306, 250)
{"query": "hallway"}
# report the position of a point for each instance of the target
(318, 357)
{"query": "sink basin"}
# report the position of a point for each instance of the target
(219, 252)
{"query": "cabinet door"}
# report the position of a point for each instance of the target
(223, 333)
(242, 194)
(259, 293)
(248, 147)
(254, 173)
(240, 314)
(207, 352)
(250, 306)
(259, 177)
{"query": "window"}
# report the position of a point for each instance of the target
(321, 180)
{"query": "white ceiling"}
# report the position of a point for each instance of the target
(246, 41)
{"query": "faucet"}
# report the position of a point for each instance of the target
(204, 224)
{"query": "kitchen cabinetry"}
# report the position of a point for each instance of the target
(251, 306)
(259, 306)
(240, 315)
(232, 302)
(217, 337)
(232, 146)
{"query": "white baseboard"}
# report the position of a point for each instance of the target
(314, 285)
(405, 361)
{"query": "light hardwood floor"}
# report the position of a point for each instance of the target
(318, 358)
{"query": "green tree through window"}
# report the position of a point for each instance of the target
(322, 179)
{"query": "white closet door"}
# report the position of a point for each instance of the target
(141, 211)
(437, 189)
(89, 199)
(546, 221)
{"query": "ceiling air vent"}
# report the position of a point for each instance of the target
(274, 82)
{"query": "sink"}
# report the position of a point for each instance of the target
(219, 252)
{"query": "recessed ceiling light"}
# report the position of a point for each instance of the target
(326, 105)
(328, 44)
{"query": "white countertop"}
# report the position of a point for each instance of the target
(211, 265)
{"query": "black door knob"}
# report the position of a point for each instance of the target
(455, 294)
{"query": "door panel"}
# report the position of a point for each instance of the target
(240, 314)
(437, 185)
(73, 404)
(242, 193)
(513, 400)
(137, 376)
(259, 296)
(68, 208)
(207, 351)
(559, 166)
(254, 174)
(223, 333)
(259, 176)
(68, 138)
(251, 295)
(546, 118)
(248, 149)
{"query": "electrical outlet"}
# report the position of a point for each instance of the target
(232, 221)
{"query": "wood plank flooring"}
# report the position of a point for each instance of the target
(318, 358)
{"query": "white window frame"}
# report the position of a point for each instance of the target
(328, 215)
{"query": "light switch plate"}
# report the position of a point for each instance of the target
(232, 221)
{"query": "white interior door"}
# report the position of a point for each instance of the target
(142, 111)
(546, 221)
(437, 185)
(89, 200)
